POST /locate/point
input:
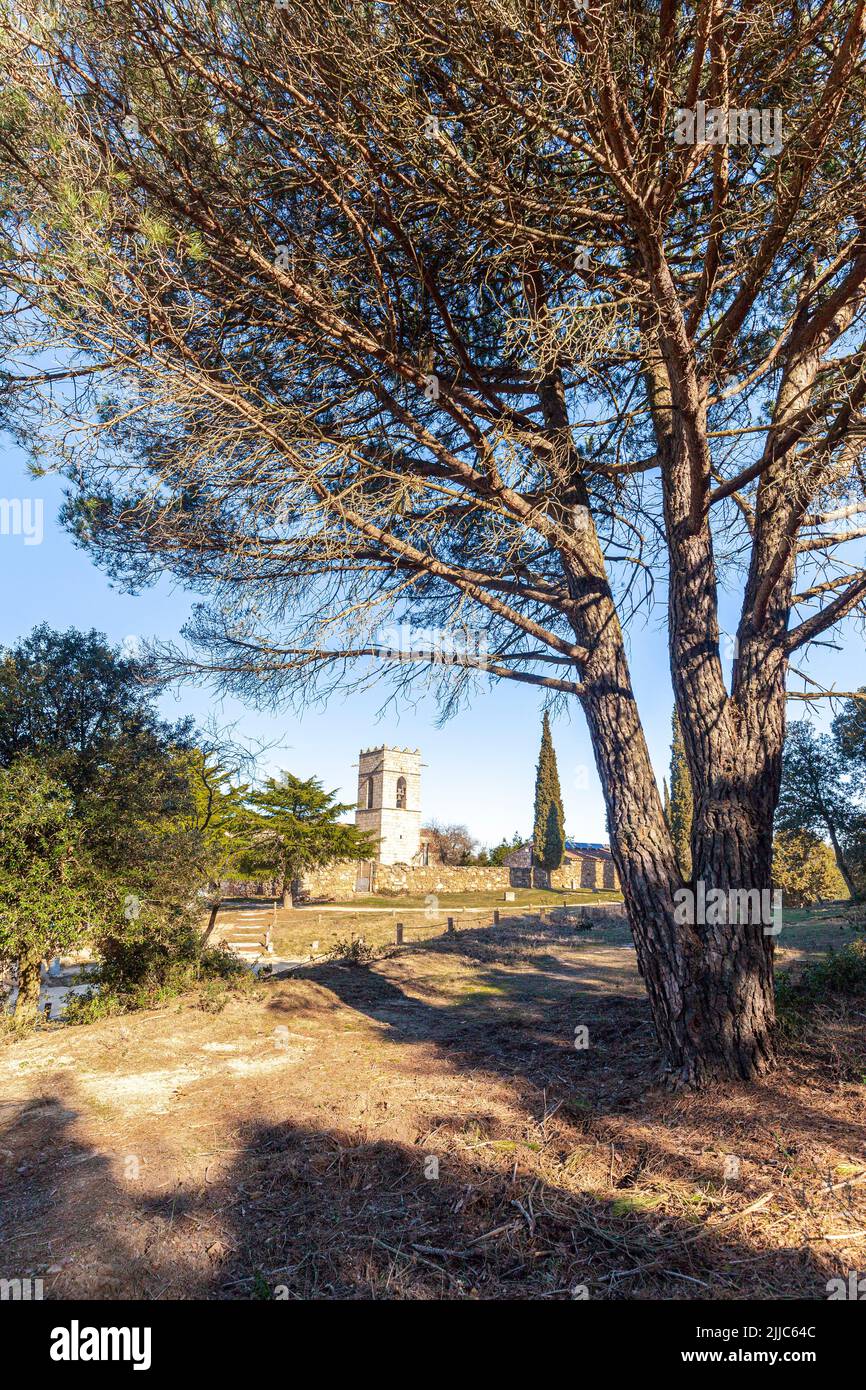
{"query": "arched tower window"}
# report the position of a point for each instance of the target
(365, 800)
(401, 793)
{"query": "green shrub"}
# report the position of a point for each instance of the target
(212, 997)
(151, 961)
(855, 916)
(92, 1005)
(354, 952)
(841, 973)
(14, 1027)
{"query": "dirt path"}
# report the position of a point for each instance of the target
(425, 1127)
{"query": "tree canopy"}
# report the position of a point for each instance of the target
(819, 797)
(805, 869)
(153, 798)
(453, 843)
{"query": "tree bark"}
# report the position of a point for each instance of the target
(29, 978)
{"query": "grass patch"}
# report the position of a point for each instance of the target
(296, 930)
(524, 897)
(14, 1027)
(635, 1203)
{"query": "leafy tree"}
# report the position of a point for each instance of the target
(484, 345)
(849, 731)
(454, 843)
(68, 699)
(50, 897)
(157, 806)
(500, 852)
(548, 834)
(681, 809)
(293, 825)
(159, 813)
(814, 796)
(805, 869)
(855, 851)
(216, 810)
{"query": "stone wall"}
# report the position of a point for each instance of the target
(586, 872)
(332, 881)
(440, 878)
(342, 880)
(247, 888)
(589, 868)
(594, 872)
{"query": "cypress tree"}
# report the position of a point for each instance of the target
(548, 836)
(680, 818)
(666, 802)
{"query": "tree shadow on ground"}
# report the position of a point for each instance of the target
(524, 1029)
(517, 1015)
(301, 1213)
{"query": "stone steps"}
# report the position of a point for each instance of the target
(248, 937)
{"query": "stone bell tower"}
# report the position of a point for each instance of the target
(389, 802)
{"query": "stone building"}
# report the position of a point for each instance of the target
(389, 802)
(584, 865)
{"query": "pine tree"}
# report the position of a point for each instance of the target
(548, 836)
(666, 801)
(294, 825)
(680, 816)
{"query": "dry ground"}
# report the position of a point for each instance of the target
(291, 1141)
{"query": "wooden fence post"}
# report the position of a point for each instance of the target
(496, 916)
(398, 933)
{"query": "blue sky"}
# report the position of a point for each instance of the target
(479, 768)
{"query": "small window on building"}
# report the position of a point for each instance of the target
(401, 793)
(365, 800)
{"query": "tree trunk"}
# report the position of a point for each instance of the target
(841, 863)
(728, 990)
(282, 885)
(710, 986)
(29, 977)
(215, 907)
